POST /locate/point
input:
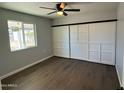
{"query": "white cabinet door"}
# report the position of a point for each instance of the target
(79, 41)
(102, 38)
(61, 41)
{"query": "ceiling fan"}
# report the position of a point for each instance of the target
(60, 9)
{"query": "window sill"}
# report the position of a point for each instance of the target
(23, 49)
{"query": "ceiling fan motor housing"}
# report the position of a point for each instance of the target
(59, 8)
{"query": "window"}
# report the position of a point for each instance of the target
(21, 35)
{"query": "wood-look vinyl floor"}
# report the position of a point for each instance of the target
(65, 74)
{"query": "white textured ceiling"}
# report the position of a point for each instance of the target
(33, 7)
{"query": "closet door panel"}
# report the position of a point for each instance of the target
(108, 53)
(94, 52)
(94, 33)
(83, 33)
(106, 57)
(83, 41)
(79, 51)
(94, 56)
(74, 41)
(83, 51)
(61, 52)
(61, 41)
(104, 35)
(79, 41)
(94, 47)
(75, 51)
(61, 34)
(107, 33)
(102, 32)
(74, 34)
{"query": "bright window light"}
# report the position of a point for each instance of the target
(21, 35)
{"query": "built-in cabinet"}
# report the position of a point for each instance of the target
(93, 42)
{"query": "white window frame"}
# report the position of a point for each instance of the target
(35, 35)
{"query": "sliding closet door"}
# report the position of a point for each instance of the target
(102, 42)
(74, 42)
(83, 41)
(79, 41)
(61, 41)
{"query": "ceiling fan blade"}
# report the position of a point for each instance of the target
(72, 10)
(64, 13)
(51, 12)
(48, 8)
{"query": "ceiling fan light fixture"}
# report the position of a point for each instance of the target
(60, 9)
(60, 12)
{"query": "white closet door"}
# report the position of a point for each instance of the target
(74, 41)
(102, 42)
(61, 41)
(79, 41)
(83, 41)
(108, 43)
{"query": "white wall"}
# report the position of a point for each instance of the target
(120, 43)
(86, 17)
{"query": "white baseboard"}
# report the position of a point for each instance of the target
(122, 83)
(22, 68)
(118, 76)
